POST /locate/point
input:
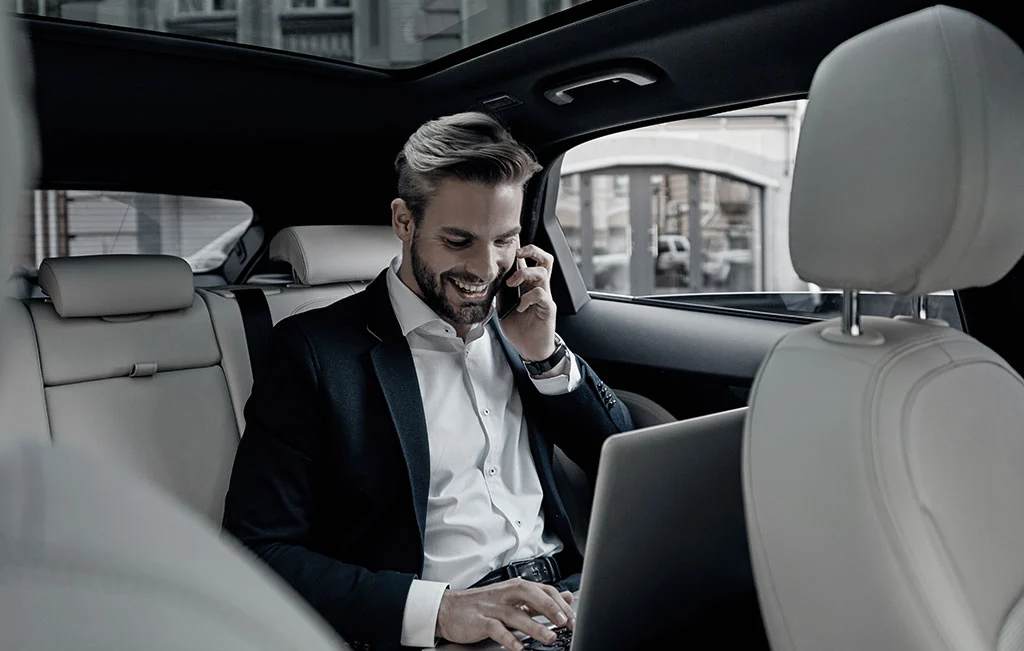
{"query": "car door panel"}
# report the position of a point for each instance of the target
(690, 362)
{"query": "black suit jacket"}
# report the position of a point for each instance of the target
(329, 485)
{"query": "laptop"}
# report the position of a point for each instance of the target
(667, 561)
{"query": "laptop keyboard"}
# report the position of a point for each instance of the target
(560, 644)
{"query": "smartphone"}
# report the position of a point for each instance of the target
(508, 298)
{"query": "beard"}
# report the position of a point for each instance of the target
(434, 288)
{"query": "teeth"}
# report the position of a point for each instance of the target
(470, 289)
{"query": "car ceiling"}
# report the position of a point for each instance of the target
(309, 141)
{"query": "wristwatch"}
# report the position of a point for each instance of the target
(545, 365)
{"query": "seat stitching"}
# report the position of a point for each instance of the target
(889, 523)
(39, 368)
(759, 556)
(314, 301)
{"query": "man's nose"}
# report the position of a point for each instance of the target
(485, 263)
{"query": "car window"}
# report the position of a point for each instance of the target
(398, 34)
(202, 231)
(696, 212)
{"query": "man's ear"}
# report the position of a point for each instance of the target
(402, 220)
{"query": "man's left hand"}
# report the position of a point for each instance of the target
(531, 327)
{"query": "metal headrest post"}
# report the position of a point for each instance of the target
(921, 307)
(851, 312)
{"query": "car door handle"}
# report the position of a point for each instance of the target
(560, 94)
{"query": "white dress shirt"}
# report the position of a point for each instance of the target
(484, 506)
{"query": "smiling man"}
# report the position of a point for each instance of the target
(396, 467)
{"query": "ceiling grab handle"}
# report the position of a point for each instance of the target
(560, 94)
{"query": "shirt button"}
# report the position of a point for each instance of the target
(486, 412)
(519, 523)
(492, 471)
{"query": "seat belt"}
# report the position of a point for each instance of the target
(258, 324)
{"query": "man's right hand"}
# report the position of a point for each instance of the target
(494, 611)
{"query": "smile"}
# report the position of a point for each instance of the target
(470, 291)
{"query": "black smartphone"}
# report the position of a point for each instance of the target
(507, 299)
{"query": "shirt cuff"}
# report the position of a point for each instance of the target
(419, 623)
(562, 379)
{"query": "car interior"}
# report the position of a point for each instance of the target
(143, 362)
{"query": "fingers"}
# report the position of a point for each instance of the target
(497, 631)
(541, 298)
(563, 603)
(544, 600)
(515, 619)
(530, 276)
(538, 255)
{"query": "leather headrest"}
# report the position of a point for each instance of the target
(114, 285)
(907, 176)
(321, 255)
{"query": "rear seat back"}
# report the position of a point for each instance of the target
(132, 370)
(138, 366)
(328, 263)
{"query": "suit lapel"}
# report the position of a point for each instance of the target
(392, 360)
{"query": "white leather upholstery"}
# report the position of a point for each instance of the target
(907, 176)
(285, 301)
(230, 331)
(322, 255)
(883, 491)
(883, 473)
(107, 285)
(22, 402)
(175, 429)
(294, 300)
(21, 391)
(93, 558)
(175, 422)
(82, 349)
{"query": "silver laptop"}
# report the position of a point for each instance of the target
(667, 562)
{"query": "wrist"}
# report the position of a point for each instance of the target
(556, 354)
(442, 613)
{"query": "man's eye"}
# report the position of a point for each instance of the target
(503, 242)
(457, 244)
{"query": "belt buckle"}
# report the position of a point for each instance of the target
(534, 570)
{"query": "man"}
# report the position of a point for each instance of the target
(399, 450)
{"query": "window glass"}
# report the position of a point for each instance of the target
(696, 211)
(83, 222)
(388, 35)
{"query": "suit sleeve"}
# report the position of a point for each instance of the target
(275, 489)
(580, 420)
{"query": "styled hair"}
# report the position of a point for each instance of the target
(469, 146)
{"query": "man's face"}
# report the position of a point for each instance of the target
(463, 246)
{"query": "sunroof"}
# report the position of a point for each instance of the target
(378, 33)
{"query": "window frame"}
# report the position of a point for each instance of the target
(568, 285)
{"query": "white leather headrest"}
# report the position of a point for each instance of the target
(114, 285)
(321, 255)
(907, 176)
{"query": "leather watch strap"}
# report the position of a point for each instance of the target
(545, 365)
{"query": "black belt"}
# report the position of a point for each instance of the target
(543, 569)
